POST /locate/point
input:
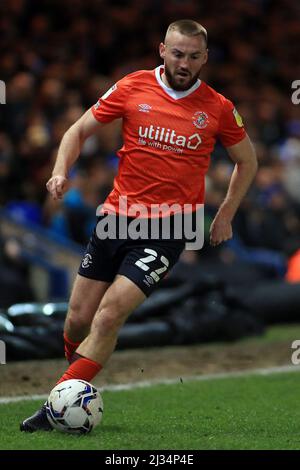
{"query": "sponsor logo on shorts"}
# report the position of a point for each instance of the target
(149, 279)
(87, 261)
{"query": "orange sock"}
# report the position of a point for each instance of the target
(70, 347)
(82, 368)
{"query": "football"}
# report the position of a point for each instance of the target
(74, 406)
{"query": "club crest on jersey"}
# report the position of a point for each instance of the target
(200, 119)
(144, 108)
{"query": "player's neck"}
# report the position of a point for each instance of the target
(164, 80)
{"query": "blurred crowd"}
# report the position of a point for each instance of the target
(57, 57)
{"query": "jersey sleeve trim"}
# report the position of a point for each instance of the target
(97, 117)
(237, 141)
(231, 129)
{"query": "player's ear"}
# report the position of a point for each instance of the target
(162, 50)
(205, 57)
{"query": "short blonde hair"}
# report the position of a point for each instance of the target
(188, 28)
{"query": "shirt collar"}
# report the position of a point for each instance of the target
(176, 95)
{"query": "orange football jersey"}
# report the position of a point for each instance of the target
(168, 137)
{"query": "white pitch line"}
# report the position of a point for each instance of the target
(179, 380)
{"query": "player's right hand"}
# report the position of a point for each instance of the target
(57, 186)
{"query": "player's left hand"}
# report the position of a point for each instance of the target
(220, 230)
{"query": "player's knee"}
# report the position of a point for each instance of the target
(108, 320)
(77, 318)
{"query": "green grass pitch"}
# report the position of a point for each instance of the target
(249, 412)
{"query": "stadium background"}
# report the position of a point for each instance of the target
(56, 59)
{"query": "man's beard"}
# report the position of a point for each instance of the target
(177, 86)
